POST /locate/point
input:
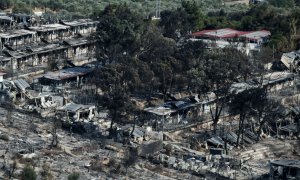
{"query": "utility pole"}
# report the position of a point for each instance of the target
(30, 12)
(159, 4)
(1, 48)
(147, 9)
(157, 9)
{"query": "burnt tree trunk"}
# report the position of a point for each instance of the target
(241, 127)
(133, 127)
(215, 115)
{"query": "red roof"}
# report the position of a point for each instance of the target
(231, 33)
(255, 35)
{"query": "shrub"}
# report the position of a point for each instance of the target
(46, 172)
(28, 173)
(4, 137)
(74, 176)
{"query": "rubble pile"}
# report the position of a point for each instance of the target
(92, 158)
(219, 165)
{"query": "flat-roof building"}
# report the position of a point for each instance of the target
(62, 76)
(227, 33)
(51, 32)
(16, 38)
(31, 48)
(242, 40)
(81, 26)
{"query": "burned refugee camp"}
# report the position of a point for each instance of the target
(149, 89)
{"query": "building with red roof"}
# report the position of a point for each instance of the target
(228, 33)
(243, 40)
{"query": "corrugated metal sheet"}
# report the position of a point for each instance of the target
(21, 84)
(67, 73)
(286, 162)
(72, 107)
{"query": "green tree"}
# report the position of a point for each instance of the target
(279, 42)
(178, 23)
(106, 78)
(282, 3)
(223, 68)
(4, 4)
(121, 109)
(262, 108)
(157, 52)
(118, 34)
(240, 104)
(155, 46)
(265, 111)
(21, 7)
(191, 55)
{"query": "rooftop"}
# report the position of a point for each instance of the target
(160, 111)
(76, 42)
(255, 35)
(33, 49)
(268, 79)
(237, 88)
(6, 18)
(48, 27)
(173, 106)
(4, 58)
(16, 33)
(16, 54)
(79, 22)
(69, 73)
(292, 55)
(287, 162)
(231, 33)
(71, 107)
(276, 77)
(45, 48)
(20, 15)
(21, 84)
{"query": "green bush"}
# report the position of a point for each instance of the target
(4, 137)
(74, 176)
(28, 173)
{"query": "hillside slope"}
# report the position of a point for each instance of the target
(88, 7)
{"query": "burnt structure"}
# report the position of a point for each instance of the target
(33, 48)
(285, 169)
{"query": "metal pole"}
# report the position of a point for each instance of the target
(156, 9)
(30, 12)
(159, 3)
